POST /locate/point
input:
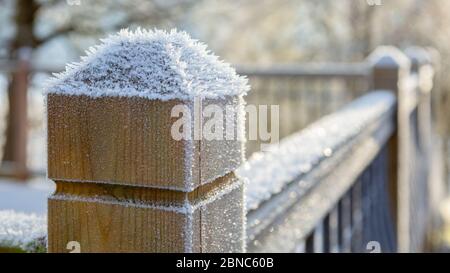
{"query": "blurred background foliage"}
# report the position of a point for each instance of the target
(242, 31)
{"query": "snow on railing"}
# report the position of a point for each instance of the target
(296, 185)
(269, 172)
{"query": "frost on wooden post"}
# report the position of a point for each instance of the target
(115, 159)
(131, 82)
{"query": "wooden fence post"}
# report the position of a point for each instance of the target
(421, 65)
(125, 180)
(390, 68)
(431, 190)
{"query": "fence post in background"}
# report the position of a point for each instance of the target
(441, 145)
(125, 180)
(421, 66)
(431, 190)
(389, 68)
(14, 161)
(440, 111)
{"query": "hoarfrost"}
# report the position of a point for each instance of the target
(269, 172)
(27, 232)
(149, 64)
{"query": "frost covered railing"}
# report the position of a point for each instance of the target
(307, 194)
(354, 181)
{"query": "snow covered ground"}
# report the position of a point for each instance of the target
(23, 214)
(27, 232)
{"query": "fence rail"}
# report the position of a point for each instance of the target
(293, 188)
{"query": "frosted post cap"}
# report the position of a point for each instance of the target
(152, 64)
(388, 57)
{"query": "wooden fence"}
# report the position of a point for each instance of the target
(346, 177)
(370, 190)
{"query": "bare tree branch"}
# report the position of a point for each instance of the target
(56, 33)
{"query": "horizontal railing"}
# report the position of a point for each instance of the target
(294, 187)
